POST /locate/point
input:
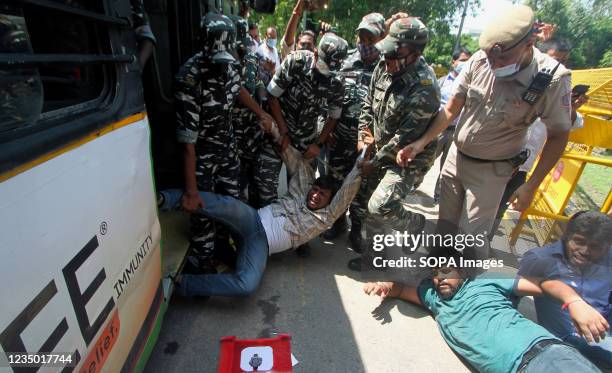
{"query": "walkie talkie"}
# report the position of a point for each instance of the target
(538, 85)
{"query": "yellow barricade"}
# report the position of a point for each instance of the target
(554, 193)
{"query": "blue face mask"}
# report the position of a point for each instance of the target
(271, 43)
(459, 67)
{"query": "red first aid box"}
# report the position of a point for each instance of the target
(255, 355)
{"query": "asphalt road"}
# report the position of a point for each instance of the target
(334, 326)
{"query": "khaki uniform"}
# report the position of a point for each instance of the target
(493, 127)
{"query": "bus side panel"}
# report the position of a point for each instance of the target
(80, 248)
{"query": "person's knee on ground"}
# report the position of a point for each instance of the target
(247, 283)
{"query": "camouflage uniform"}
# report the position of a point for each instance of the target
(397, 111)
(343, 151)
(357, 77)
(302, 90)
(206, 90)
(249, 136)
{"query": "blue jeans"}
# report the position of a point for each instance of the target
(599, 353)
(558, 358)
(243, 221)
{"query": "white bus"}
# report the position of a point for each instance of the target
(81, 254)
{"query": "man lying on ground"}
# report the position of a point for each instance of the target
(308, 209)
(477, 319)
(582, 259)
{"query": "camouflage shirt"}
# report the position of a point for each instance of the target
(398, 110)
(302, 92)
(205, 96)
(248, 133)
(357, 77)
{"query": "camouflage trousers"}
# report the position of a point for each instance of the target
(382, 196)
(248, 191)
(219, 174)
(268, 164)
(341, 160)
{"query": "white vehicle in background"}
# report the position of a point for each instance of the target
(81, 259)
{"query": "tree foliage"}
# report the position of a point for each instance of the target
(586, 26)
(345, 15)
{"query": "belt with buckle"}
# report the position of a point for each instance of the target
(515, 161)
(535, 350)
(480, 159)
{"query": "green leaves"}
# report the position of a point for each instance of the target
(587, 25)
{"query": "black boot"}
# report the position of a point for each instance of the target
(337, 229)
(361, 237)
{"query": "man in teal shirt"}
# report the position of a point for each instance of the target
(477, 319)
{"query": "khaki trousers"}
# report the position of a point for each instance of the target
(470, 193)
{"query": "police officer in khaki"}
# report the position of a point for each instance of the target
(491, 133)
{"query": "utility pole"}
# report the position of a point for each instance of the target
(458, 41)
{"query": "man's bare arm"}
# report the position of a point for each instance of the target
(191, 200)
(277, 114)
(245, 99)
(328, 127)
(393, 290)
(313, 150)
(145, 50)
(445, 117)
(588, 322)
(290, 31)
(552, 151)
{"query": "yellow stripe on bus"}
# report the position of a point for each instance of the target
(73, 145)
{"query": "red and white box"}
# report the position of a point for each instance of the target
(255, 355)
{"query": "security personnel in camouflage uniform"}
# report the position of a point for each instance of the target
(207, 86)
(248, 135)
(402, 100)
(357, 71)
(300, 88)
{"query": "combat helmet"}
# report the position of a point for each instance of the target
(409, 30)
(218, 34)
